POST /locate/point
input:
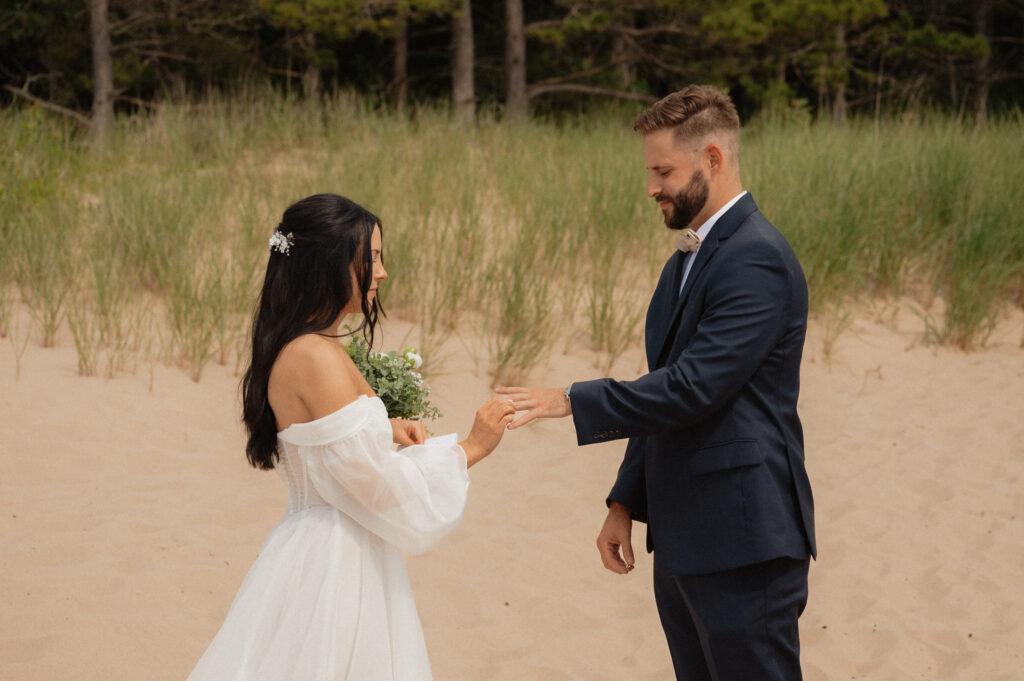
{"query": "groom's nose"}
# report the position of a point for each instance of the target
(653, 186)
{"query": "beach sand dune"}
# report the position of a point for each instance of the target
(128, 518)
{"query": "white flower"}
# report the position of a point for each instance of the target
(414, 358)
(281, 243)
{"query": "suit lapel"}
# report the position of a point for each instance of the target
(663, 302)
(723, 229)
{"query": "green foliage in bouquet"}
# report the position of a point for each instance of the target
(394, 378)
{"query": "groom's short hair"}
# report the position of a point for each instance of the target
(696, 112)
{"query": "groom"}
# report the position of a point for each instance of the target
(715, 460)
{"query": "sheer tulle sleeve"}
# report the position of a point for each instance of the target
(410, 497)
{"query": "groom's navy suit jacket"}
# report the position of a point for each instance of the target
(715, 460)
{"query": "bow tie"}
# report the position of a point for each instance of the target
(689, 242)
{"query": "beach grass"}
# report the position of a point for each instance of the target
(538, 233)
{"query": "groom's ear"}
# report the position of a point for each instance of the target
(714, 157)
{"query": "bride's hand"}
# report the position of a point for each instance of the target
(491, 421)
(406, 432)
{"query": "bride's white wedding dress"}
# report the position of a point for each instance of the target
(328, 597)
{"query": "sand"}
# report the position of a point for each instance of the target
(128, 518)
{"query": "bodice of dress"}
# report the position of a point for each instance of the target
(409, 497)
(292, 469)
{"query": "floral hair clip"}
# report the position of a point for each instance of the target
(281, 243)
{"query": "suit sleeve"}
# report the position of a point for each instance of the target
(745, 313)
(630, 487)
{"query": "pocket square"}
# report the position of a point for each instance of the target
(688, 242)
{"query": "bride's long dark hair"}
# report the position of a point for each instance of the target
(304, 291)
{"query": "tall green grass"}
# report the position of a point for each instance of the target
(873, 208)
(536, 235)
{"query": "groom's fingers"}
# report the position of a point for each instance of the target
(518, 395)
(612, 561)
(521, 398)
(523, 420)
(624, 558)
(627, 555)
(608, 547)
(616, 536)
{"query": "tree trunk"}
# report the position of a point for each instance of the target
(400, 82)
(516, 101)
(954, 97)
(839, 105)
(822, 91)
(311, 79)
(102, 72)
(463, 95)
(621, 54)
(982, 77)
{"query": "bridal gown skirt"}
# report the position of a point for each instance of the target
(308, 612)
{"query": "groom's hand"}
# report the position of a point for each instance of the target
(546, 403)
(615, 535)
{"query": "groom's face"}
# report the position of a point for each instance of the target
(678, 185)
(687, 203)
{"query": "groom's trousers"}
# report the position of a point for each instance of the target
(736, 625)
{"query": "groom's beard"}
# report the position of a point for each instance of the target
(688, 203)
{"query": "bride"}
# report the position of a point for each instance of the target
(328, 596)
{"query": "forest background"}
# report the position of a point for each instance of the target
(815, 57)
(493, 138)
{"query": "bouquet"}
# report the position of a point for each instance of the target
(394, 378)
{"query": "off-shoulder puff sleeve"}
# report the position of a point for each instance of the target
(410, 497)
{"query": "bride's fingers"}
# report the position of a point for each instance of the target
(500, 410)
(504, 406)
(419, 433)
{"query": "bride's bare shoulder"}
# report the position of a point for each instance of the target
(317, 371)
(311, 351)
